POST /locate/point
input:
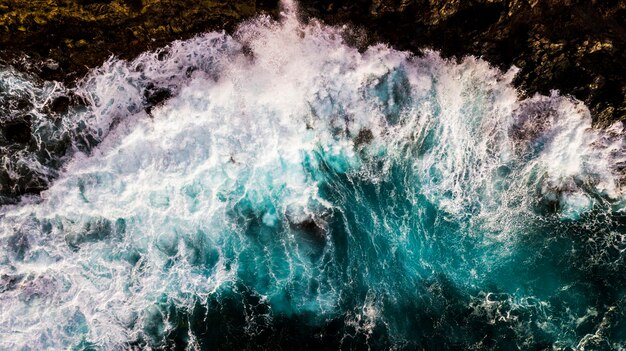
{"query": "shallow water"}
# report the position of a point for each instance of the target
(294, 192)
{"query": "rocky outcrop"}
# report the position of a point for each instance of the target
(574, 46)
(70, 36)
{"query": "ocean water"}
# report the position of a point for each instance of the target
(293, 192)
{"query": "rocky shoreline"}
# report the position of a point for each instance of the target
(68, 37)
(574, 46)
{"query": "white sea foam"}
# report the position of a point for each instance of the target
(161, 209)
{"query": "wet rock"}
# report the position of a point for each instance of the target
(567, 45)
(60, 104)
(577, 47)
(134, 5)
(81, 34)
(17, 130)
(365, 136)
(154, 96)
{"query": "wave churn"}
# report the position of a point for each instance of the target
(296, 191)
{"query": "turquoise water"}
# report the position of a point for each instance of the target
(297, 193)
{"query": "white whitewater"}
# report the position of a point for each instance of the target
(151, 212)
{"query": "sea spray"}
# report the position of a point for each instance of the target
(289, 189)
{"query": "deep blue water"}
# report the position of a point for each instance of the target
(295, 193)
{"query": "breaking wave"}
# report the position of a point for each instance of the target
(278, 187)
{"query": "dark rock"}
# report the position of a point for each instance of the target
(154, 96)
(574, 46)
(577, 47)
(365, 136)
(81, 34)
(134, 5)
(18, 130)
(60, 104)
